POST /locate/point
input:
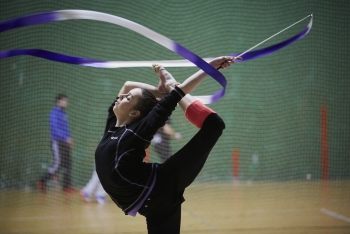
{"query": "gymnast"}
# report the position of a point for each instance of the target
(155, 190)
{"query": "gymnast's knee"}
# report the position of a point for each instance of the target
(214, 122)
(198, 114)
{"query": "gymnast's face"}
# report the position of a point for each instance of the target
(124, 106)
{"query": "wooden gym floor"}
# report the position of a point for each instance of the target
(281, 207)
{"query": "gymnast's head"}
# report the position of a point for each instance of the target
(134, 105)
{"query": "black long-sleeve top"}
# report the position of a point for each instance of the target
(119, 155)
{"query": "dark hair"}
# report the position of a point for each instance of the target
(61, 96)
(145, 103)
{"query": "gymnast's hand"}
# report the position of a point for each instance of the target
(223, 62)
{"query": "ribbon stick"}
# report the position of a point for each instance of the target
(265, 51)
(191, 58)
(308, 28)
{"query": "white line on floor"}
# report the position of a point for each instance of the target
(335, 215)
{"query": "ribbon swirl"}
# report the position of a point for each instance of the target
(191, 58)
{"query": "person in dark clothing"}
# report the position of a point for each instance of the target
(155, 190)
(162, 141)
(61, 143)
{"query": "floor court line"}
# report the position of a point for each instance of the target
(335, 215)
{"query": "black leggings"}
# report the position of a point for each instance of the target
(62, 161)
(163, 207)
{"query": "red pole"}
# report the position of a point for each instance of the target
(235, 163)
(324, 143)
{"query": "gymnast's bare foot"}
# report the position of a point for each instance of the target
(167, 81)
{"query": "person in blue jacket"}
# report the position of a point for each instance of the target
(151, 189)
(61, 143)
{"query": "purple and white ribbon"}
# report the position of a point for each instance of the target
(191, 58)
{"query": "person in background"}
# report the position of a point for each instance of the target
(162, 141)
(94, 188)
(62, 144)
